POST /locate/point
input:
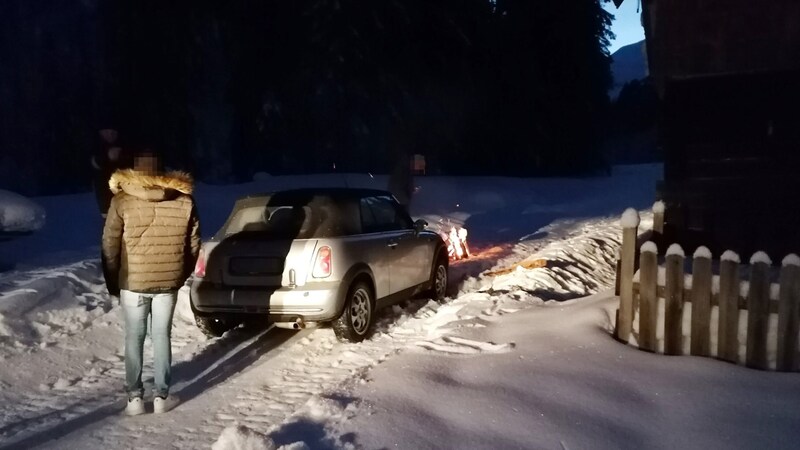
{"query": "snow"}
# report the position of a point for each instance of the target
(630, 218)
(242, 438)
(760, 257)
(791, 260)
(702, 252)
(261, 176)
(522, 359)
(675, 249)
(658, 207)
(19, 214)
(649, 247)
(730, 255)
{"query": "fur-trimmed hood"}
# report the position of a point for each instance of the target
(151, 187)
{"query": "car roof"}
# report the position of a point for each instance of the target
(337, 192)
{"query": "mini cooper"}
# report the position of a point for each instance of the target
(301, 257)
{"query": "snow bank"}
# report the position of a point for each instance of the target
(18, 214)
(582, 261)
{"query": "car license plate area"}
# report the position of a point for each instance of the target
(254, 266)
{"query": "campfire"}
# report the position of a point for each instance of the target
(456, 241)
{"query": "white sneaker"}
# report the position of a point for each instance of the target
(162, 405)
(135, 406)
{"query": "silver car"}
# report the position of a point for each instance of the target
(305, 256)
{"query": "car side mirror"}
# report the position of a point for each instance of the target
(420, 225)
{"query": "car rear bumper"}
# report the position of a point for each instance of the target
(319, 302)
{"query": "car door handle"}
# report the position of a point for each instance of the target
(392, 244)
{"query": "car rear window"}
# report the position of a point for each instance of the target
(305, 217)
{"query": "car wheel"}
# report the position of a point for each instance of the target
(215, 325)
(356, 319)
(438, 289)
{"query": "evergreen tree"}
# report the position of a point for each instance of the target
(225, 89)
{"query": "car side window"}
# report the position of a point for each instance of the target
(383, 214)
(368, 222)
(401, 216)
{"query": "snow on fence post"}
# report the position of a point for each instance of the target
(728, 337)
(648, 299)
(673, 296)
(701, 302)
(630, 225)
(788, 314)
(758, 311)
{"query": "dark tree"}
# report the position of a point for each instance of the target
(227, 89)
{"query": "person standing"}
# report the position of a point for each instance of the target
(401, 181)
(151, 240)
(108, 158)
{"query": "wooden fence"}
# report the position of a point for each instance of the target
(721, 309)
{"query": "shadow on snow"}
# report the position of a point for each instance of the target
(218, 362)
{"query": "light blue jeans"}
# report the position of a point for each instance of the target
(138, 307)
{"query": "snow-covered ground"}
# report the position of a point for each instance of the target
(19, 214)
(519, 358)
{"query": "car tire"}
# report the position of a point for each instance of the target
(439, 278)
(215, 325)
(355, 322)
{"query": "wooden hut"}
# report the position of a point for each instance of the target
(728, 77)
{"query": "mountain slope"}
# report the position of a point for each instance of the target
(629, 63)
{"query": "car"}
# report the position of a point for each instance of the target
(302, 257)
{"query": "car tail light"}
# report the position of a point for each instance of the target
(200, 266)
(322, 266)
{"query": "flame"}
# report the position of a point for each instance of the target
(456, 240)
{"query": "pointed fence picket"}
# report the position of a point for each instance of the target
(673, 317)
(758, 315)
(648, 301)
(728, 336)
(643, 294)
(701, 303)
(788, 319)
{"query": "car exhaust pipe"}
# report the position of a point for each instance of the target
(286, 325)
(298, 324)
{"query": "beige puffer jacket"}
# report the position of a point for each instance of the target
(151, 238)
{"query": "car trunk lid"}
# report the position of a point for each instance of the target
(247, 261)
